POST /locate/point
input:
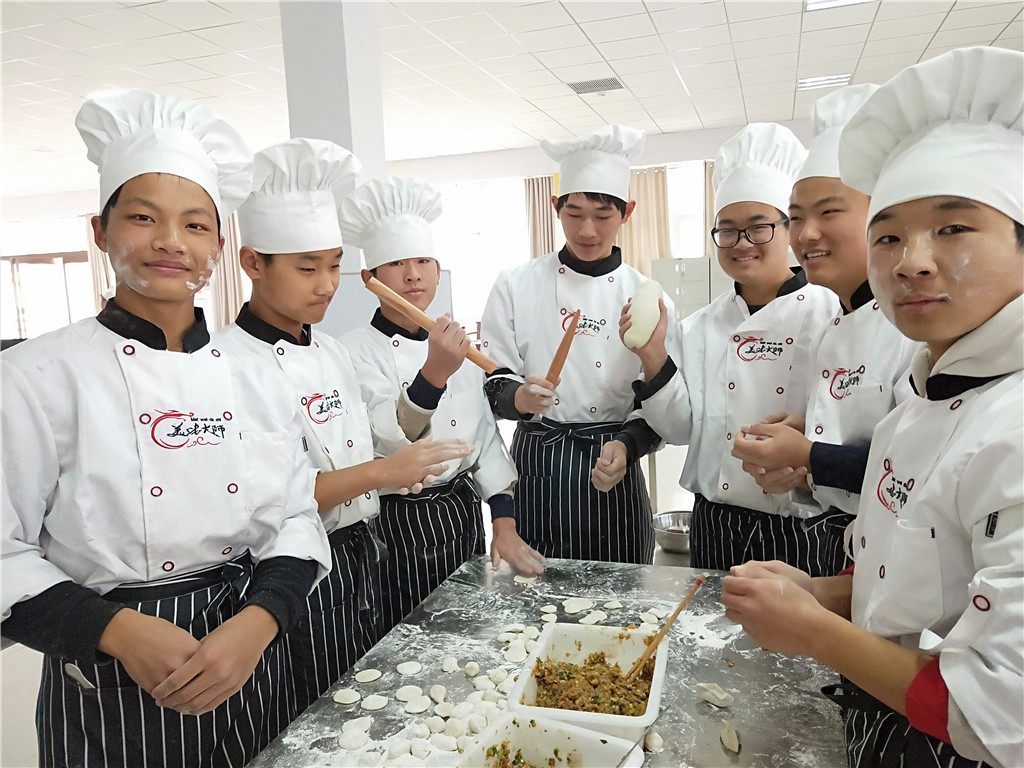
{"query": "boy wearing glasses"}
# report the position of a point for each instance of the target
(741, 359)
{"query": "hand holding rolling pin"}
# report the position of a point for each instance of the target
(536, 395)
(447, 347)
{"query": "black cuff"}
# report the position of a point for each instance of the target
(501, 506)
(280, 585)
(66, 620)
(839, 466)
(424, 394)
(639, 439)
(501, 393)
(645, 389)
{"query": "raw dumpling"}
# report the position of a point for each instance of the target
(419, 731)
(530, 645)
(730, 736)
(346, 696)
(438, 693)
(443, 742)
(367, 675)
(472, 669)
(455, 728)
(450, 664)
(399, 747)
(515, 653)
(408, 692)
(359, 724)
(531, 633)
(444, 709)
(653, 742)
(497, 675)
(507, 684)
(594, 617)
(409, 668)
(462, 710)
(577, 604)
(661, 613)
(484, 683)
(491, 696)
(476, 722)
(420, 748)
(714, 694)
(549, 609)
(435, 724)
(547, 618)
(353, 739)
(374, 702)
(648, 618)
(612, 605)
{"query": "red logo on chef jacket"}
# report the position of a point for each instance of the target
(585, 327)
(322, 408)
(752, 348)
(843, 382)
(177, 429)
(893, 492)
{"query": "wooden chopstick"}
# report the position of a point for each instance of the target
(419, 317)
(558, 361)
(653, 645)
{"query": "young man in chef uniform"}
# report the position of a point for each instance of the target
(291, 249)
(742, 358)
(430, 534)
(581, 492)
(861, 359)
(927, 630)
(146, 473)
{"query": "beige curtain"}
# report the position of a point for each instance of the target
(540, 216)
(99, 266)
(226, 283)
(709, 209)
(645, 236)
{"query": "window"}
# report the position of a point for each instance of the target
(43, 292)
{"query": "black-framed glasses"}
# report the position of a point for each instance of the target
(756, 234)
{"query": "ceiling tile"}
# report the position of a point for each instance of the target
(770, 115)
(28, 72)
(506, 64)
(529, 79)
(691, 17)
(239, 37)
(70, 35)
(220, 86)
(669, 100)
(698, 38)
(431, 11)
(983, 35)
(698, 85)
(786, 74)
(650, 78)
(183, 45)
(641, 64)
(829, 38)
(758, 99)
(259, 9)
(767, 46)
(889, 60)
(744, 10)
(453, 73)
(712, 55)
(876, 76)
(552, 39)
(899, 9)
(719, 95)
(775, 61)
(624, 28)
(405, 38)
(843, 16)
(535, 92)
(775, 88)
(535, 16)
(709, 70)
(657, 89)
(435, 56)
(823, 69)
(21, 15)
(130, 78)
(272, 57)
(489, 48)
(1010, 43)
(896, 45)
(596, 71)
(967, 15)
(563, 113)
(70, 61)
(176, 71)
(596, 100)
(29, 92)
(198, 15)
(130, 24)
(568, 57)
(14, 45)
(591, 11)
(477, 87)
(226, 64)
(835, 53)
(127, 54)
(409, 78)
(471, 27)
(580, 124)
(760, 29)
(624, 49)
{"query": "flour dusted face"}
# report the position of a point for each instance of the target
(941, 266)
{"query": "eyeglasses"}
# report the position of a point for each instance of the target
(756, 234)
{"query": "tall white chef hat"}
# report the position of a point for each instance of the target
(390, 219)
(292, 208)
(830, 115)
(757, 165)
(135, 132)
(598, 161)
(948, 126)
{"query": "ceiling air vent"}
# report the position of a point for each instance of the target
(596, 86)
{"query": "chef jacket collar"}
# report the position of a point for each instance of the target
(592, 268)
(388, 328)
(943, 386)
(860, 297)
(266, 332)
(794, 284)
(124, 323)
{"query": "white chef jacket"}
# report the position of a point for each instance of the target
(859, 374)
(736, 369)
(325, 391)
(389, 363)
(527, 312)
(127, 464)
(939, 537)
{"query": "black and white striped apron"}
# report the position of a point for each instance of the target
(880, 737)
(558, 510)
(427, 535)
(341, 624)
(117, 723)
(723, 535)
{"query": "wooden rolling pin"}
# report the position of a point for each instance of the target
(419, 317)
(558, 361)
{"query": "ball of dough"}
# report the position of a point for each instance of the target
(346, 696)
(367, 675)
(420, 748)
(506, 685)
(358, 724)
(531, 633)
(417, 705)
(483, 683)
(450, 664)
(455, 727)
(374, 702)
(443, 742)
(644, 314)
(408, 692)
(462, 710)
(409, 668)
(444, 709)
(435, 724)
(419, 731)
(530, 645)
(472, 669)
(476, 722)
(353, 740)
(497, 675)
(653, 742)
(491, 696)
(400, 747)
(464, 743)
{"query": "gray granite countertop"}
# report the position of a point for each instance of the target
(782, 718)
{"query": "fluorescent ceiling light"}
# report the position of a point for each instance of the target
(817, 5)
(828, 81)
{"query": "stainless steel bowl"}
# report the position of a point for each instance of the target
(672, 531)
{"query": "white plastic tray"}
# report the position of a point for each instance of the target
(573, 643)
(538, 737)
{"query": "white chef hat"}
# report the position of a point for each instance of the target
(757, 165)
(598, 161)
(948, 126)
(292, 208)
(830, 114)
(135, 132)
(390, 219)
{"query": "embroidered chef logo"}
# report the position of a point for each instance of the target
(843, 382)
(585, 327)
(176, 429)
(752, 348)
(892, 491)
(322, 408)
